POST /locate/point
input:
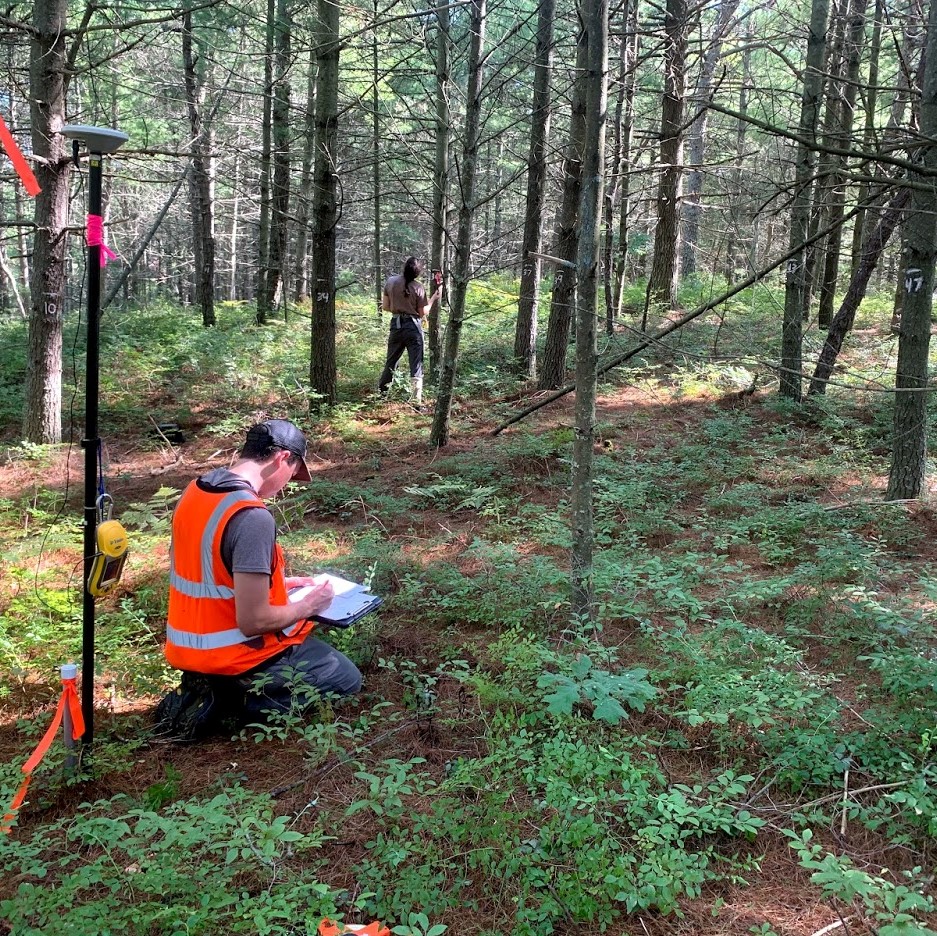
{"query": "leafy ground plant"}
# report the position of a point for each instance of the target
(761, 655)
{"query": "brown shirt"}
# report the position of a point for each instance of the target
(401, 304)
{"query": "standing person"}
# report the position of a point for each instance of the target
(230, 618)
(406, 299)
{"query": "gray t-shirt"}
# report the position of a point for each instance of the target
(411, 304)
(248, 539)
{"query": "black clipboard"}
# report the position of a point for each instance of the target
(375, 602)
(351, 603)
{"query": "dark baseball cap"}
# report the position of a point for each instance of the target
(281, 433)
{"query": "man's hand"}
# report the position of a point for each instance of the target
(317, 599)
(255, 614)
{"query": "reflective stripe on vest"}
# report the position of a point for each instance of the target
(218, 639)
(214, 641)
(202, 632)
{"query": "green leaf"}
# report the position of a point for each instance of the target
(610, 711)
(561, 701)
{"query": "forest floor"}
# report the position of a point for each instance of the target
(381, 498)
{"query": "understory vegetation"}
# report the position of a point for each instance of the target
(741, 741)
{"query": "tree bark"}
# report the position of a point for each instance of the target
(42, 420)
(201, 188)
(525, 334)
(301, 256)
(322, 366)
(735, 259)
(909, 445)
(842, 322)
(842, 131)
(19, 200)
(566, 247)
(870, 100)
(276, 281)
(378, 280)
(796, 286)
(439, 434)
(662, 285)
(595, 79)
(696, 142)
(10, 276)
(612, 189)
(266, 172)
(629, 82)
(440, 183)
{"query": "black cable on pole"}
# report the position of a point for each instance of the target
(91, 443)
(99, 141)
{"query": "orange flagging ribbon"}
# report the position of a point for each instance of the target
(69, 697)
(328, 928)
(18, 160)
(95, 237)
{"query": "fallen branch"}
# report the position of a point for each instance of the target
(679, 323)
(830, 928)
(883, 503)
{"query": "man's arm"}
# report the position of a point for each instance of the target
(255, 614)
(437, 279)
(385, 301)
(432, 301)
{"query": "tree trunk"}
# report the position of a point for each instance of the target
(662, 285)
(10, 276)
(234, 231)
(843, 321)
(201, 196)
(19, 200)
(378, 280)
(6, 268)
(42, 421)
(595, 26)
(629, 72)
(796, 286)
(439, 434)
(696, 143)
(909, 445)
(870, 100)
(819, 195)
(496, 251)
(525, 334)
(266, 171)
(734, 250)
(566, 249)
(322, 367)
(440, 183)
(854, 33)
(612, 190)
(301, 256)
(277, 278)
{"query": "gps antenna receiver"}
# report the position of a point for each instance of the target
(102, 140)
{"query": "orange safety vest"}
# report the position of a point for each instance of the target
(202, 633)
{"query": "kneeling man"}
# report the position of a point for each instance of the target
(229, 614)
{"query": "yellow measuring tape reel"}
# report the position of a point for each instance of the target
(111, 540)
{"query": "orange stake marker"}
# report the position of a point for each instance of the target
(329, 928)
(68, 698)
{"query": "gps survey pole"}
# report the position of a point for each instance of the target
(99, 141)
